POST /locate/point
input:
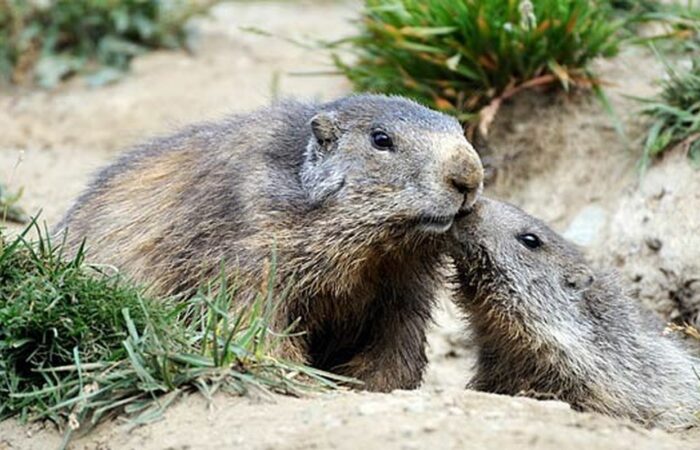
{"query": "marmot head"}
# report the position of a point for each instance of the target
(378, 160)
(516, 268)
(546, 326)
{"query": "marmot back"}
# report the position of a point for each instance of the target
(548, 326)
(353, 194)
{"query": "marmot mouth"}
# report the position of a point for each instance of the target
(462, 213)
(434, 224)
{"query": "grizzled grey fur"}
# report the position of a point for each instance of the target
(547, 325)
(357, 229)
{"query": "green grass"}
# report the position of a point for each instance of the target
(674, 115)
(459, 56)
(9, 206)
(46, 41)
(78, 345)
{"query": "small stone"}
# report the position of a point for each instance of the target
(619, 260)
(654, 244)
(660, 194)
(430, 427)
(587, 226)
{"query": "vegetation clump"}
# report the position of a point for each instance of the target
(460, 56)
(78, 344)
(675, 115)
(9, 207)
(44, 41)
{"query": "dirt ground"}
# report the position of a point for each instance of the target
(564, 162)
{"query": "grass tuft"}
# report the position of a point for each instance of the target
(461, 56)
(78, 345)
(675, 115)
(9, 206)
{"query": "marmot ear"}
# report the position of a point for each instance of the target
(321, 180)
(325, 127)
(579, 278)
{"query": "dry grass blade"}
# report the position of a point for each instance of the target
(685, 329)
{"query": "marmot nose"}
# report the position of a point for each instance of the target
(462, 185)
(466, 175)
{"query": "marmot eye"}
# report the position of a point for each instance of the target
(530, 240)
(381, 140)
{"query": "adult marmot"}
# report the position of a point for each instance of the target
(354, 195)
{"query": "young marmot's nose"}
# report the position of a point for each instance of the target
(466, 174)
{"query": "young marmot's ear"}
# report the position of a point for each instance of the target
(325, 128)
(579, 278)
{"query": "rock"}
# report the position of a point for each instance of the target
(654, 244)
(586, 226)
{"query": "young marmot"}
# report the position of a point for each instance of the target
(354, 196)
(548, 326)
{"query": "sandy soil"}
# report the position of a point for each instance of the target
(564, 163)
(449, 419)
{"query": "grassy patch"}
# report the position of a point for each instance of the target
(78, 345)
(44, 41)
(461, 56)
(675, 115)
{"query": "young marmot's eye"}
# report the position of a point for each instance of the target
(530, 240)
(381, 140)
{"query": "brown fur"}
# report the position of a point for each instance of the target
(356, 229)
